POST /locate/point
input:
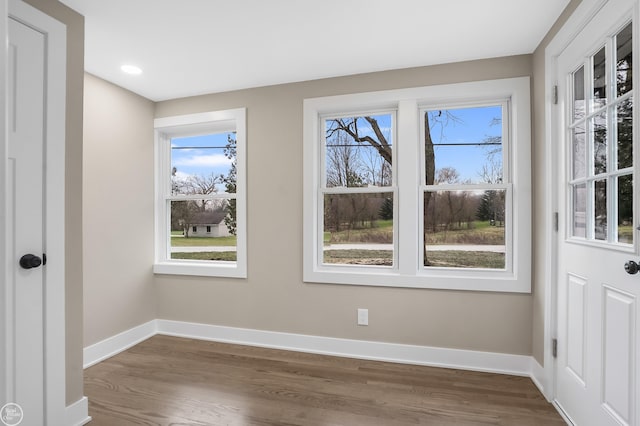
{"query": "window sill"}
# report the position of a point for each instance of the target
(200, 270)
(470, 280)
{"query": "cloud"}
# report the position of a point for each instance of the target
(213, 160)
(182, 176)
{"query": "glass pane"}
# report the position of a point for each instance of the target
(600, 204)
(203, 164)
(625, 209)
(359, 151)
(625, 134)
(624, 60)
(599, 79)
(465, 229)
(358, 229)
(600, 143)
(203, 230)
(578, 94)
(463, 145)
(580, 211)
(579, 151)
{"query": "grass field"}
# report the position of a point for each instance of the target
(625, 234)
(443, 259)
(180, 241)
(229, 256)
(382, 233)
(478, 233)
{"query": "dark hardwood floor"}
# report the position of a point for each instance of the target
(175, 381)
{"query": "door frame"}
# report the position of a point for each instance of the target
(583, 14)
(54, 273)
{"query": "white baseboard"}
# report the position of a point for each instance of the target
(520, 365)
(539, 378)
(377, 351)
(114, 345)
(77, 414)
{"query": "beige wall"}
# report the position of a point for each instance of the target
(118, 210)
(73, 188)
(539, 191)
(274, 296)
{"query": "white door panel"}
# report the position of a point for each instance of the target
(576, 309)
(619, 341)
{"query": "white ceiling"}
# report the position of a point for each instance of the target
(191, 47)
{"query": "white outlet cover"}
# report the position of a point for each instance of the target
(363, 317)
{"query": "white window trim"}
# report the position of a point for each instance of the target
(191, 125)
(408, 103)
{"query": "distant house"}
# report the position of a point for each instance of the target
(209, 224)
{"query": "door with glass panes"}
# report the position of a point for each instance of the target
(597, 368)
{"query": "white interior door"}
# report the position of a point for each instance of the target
(597, 369)
(26, 216)
(33, 316)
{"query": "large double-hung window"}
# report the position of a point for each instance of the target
(426, 187)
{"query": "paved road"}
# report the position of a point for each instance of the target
(470, 247)
(492, 248)
(202, 248)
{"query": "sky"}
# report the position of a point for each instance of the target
(204, 155)
(200, 155)
(454, 133)
(470, 125)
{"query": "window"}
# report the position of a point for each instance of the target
(200, 182)
(425, 187)
(464, 193)
(358, 189)
(601, 138)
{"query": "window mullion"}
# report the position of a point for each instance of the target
(612, 143)
(408, 152)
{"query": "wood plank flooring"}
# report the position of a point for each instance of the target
(174, 381)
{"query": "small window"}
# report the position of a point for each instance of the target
(425, 187)
(200, 169)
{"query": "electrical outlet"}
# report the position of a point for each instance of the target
(363, 317)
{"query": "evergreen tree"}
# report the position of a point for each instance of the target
(486, 208)
(230, 185)
(386, 210)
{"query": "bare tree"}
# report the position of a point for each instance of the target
(184, 212)
(379, 141)
(376, 170)
(343, 162)
(350, 127)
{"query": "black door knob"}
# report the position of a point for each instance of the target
(29, 261)
(631, 267)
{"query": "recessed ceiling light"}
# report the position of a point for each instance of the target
(131, 69)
